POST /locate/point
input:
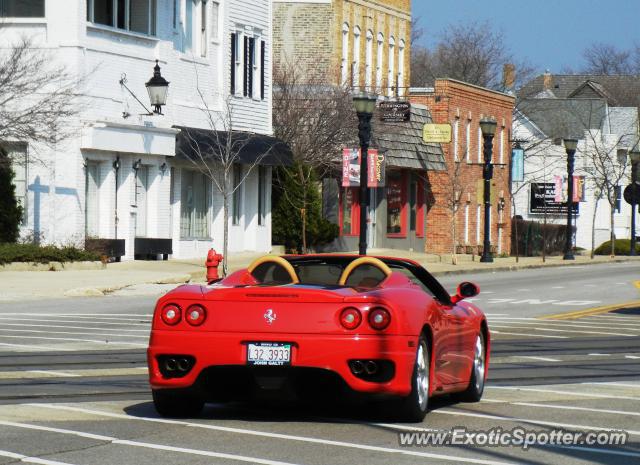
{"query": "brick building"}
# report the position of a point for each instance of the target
(460, 187)
(364, 43)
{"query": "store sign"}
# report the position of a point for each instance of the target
(395, 112)
(377, 165)
(517, 165)
(543, 199)
(351, 168)
(436, 133)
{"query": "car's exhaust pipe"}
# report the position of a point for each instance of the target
(183, 364)
(371, 367)
(357, 367)
(170, 364)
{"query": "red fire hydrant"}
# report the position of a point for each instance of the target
(212, 263)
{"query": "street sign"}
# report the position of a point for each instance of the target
(632, 195)
(395, 112)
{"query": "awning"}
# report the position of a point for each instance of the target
(247, 148)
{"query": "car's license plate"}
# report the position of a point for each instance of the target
(269, 353)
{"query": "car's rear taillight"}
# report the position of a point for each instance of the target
(350, 318)
(196, 314)
(379, 318)
(171, 314)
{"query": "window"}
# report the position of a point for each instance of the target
(215, 20)
(421, 209)
(175, 19)
(355, 77)
(479, 145)
(368, 58)
(263, 51)
(235, 63)
(379, 61)
(17, 154)
(349, 211)
(617, 191)
(249, 57)
(391, 74)
(21, 8)
(196, 32)
(467, 149)
(502, 131)
(466, 223)
(237, 194)
(129, 15)
(478, 221)
(456, 124)
(262, 195)
(401, 68)
(396, 200)
(345, 53)
(194, 205)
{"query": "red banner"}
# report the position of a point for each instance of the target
(376, 171)
(350, 167)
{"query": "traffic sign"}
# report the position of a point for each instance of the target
(632, 193)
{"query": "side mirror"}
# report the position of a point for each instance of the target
(465, 290)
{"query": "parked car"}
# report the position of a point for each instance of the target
(299, 323)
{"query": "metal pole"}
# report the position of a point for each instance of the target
(364, 134)
(634, 179)
(487, 174)
(568, 246)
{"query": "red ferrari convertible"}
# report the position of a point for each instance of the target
(305, 323)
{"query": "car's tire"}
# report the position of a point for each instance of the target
(413, 408)
(474, 391)
(177, 403)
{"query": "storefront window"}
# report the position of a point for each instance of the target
(350, 211)
(396, 197)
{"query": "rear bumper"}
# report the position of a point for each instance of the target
(325, 352)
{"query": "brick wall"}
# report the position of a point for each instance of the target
(463, 105)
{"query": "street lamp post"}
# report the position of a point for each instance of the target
(570, 146)
(488, 128)
(634, 157)
(365, 105)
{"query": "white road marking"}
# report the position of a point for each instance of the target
(76, 340)
(577, 323)
(633, 357)
(530, 335)
(570, 407)
(37, 347)
(80, 333)
(533, 302)
(145, 325)
(544, 359)
(558, 287)
(612, 383)
(289, 437)
(23, 316)
(27, 459)
(615, 316)
(77, 327)
(599, 355)
(147, 445)
(578, 302)
(555, 391)
(54, 373)
(530, 421)
(537, 328)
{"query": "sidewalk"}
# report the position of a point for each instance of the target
(147, 275)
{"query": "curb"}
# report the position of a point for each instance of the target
(52, 266)
(525, 267)
(102, 291)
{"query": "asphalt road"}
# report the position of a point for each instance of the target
(73, 389)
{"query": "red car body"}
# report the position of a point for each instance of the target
(206, 343)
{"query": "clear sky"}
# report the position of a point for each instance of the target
(548, 33)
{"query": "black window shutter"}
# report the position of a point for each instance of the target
(252, 46)
(234, 40)
(246, 66)
(262, 60)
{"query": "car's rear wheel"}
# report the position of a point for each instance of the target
(413, 408)
(177, 402)
(474, 391)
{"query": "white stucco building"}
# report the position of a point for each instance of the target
(121, 176)
(604, 132)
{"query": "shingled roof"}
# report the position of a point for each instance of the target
(564, 118)
(402, 142)
(622, 90)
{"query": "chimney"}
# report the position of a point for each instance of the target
(547, 80)
(509, 77)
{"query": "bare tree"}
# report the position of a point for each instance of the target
(316, 121)
(37, 98)
(214, 152)
(473, 53)
(606, 59)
